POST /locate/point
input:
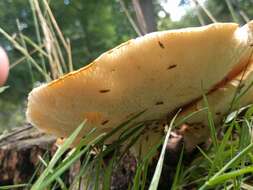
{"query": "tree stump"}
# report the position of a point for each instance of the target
(21, 147)
(19, 151)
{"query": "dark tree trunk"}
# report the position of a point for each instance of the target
(145, 15)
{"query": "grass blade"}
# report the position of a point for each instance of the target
(13, 186)
(3, 88)
(205, 155)
(184, 119)
(56, 157)
(229, 164)
(59, 180)
(120, 127)
(158, 170)
(220, 156)
(108, 173)
(211, 124)
(179, 168)
(65, 165)
(230, 175)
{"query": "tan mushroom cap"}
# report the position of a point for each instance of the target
(158, 72)
(220, 102)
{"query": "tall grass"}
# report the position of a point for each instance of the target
(53, 49)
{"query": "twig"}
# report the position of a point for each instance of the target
(140, 17)
(25, 53)
(23, 58)
(135, 27)
(4, 137)
(232, 11)
(208, 13)
(37, 30)
(200, 17)
(244, 16)
(70, 56)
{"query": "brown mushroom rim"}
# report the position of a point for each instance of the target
(73, 73)
(242, 68)
(236, 71)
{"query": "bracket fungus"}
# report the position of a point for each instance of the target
(160, 73)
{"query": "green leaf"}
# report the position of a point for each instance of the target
(2, 89)
(234, 114)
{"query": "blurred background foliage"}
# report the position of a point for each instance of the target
(93, 27)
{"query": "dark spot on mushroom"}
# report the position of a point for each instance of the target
(251, 45)
(161, 44)
(104, 122)
(218, 113)
(159, 103)
(104, 90)
(171, 67)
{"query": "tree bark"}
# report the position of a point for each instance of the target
(21, 148)
(19, 151)
(19, 159)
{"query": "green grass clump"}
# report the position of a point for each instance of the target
(226, 165)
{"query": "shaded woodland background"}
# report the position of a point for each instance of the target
(93, 27)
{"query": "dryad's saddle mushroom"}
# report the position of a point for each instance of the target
(160, 73)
